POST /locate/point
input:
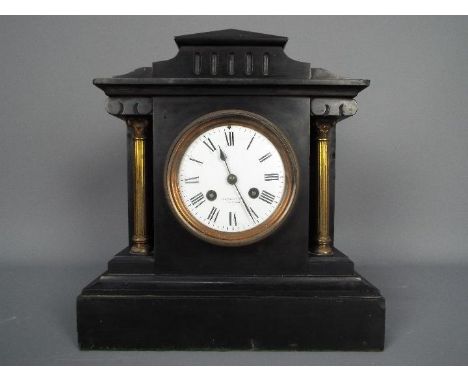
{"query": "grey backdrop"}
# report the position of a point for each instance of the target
(401, 187)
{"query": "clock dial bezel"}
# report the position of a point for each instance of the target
(258, 124)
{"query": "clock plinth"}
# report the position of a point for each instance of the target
(231, 242)
(180, 312)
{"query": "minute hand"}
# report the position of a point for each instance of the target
(222, 156)
(245, 204)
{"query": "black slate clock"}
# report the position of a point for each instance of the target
(231, 149)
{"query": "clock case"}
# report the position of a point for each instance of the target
(185, 293)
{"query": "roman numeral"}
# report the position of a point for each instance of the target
(251, 141)
(232, 218)
(213, 215)
(197, 200)
(265, 157)
(229, 138)
(195, 179)
(267, 197)
(196, 160)
(270, 177)
(209, 144)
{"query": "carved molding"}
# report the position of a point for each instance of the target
(333, 107)
(124, 106)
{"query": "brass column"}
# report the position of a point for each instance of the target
(324, 241)
(140, 234)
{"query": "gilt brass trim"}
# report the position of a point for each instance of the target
(140, 234)
(324, 240)
(255, 122)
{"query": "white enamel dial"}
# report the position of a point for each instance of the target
(231, 178)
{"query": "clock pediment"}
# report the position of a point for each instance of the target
(231, 53)
(230, 37)
(231, 62)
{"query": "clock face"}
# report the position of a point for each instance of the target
(231, 179)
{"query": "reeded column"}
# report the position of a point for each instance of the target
(324, 241)
(325, 113)
(140, 235)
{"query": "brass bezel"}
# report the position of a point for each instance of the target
(198, 127)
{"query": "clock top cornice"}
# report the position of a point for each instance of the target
(231, 62)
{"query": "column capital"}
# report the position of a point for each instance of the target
(324, 125)
(139, 126)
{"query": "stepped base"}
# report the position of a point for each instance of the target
(304, 312)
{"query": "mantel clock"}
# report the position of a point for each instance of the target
(231, 150)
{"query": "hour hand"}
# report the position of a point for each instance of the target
(222, 156)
